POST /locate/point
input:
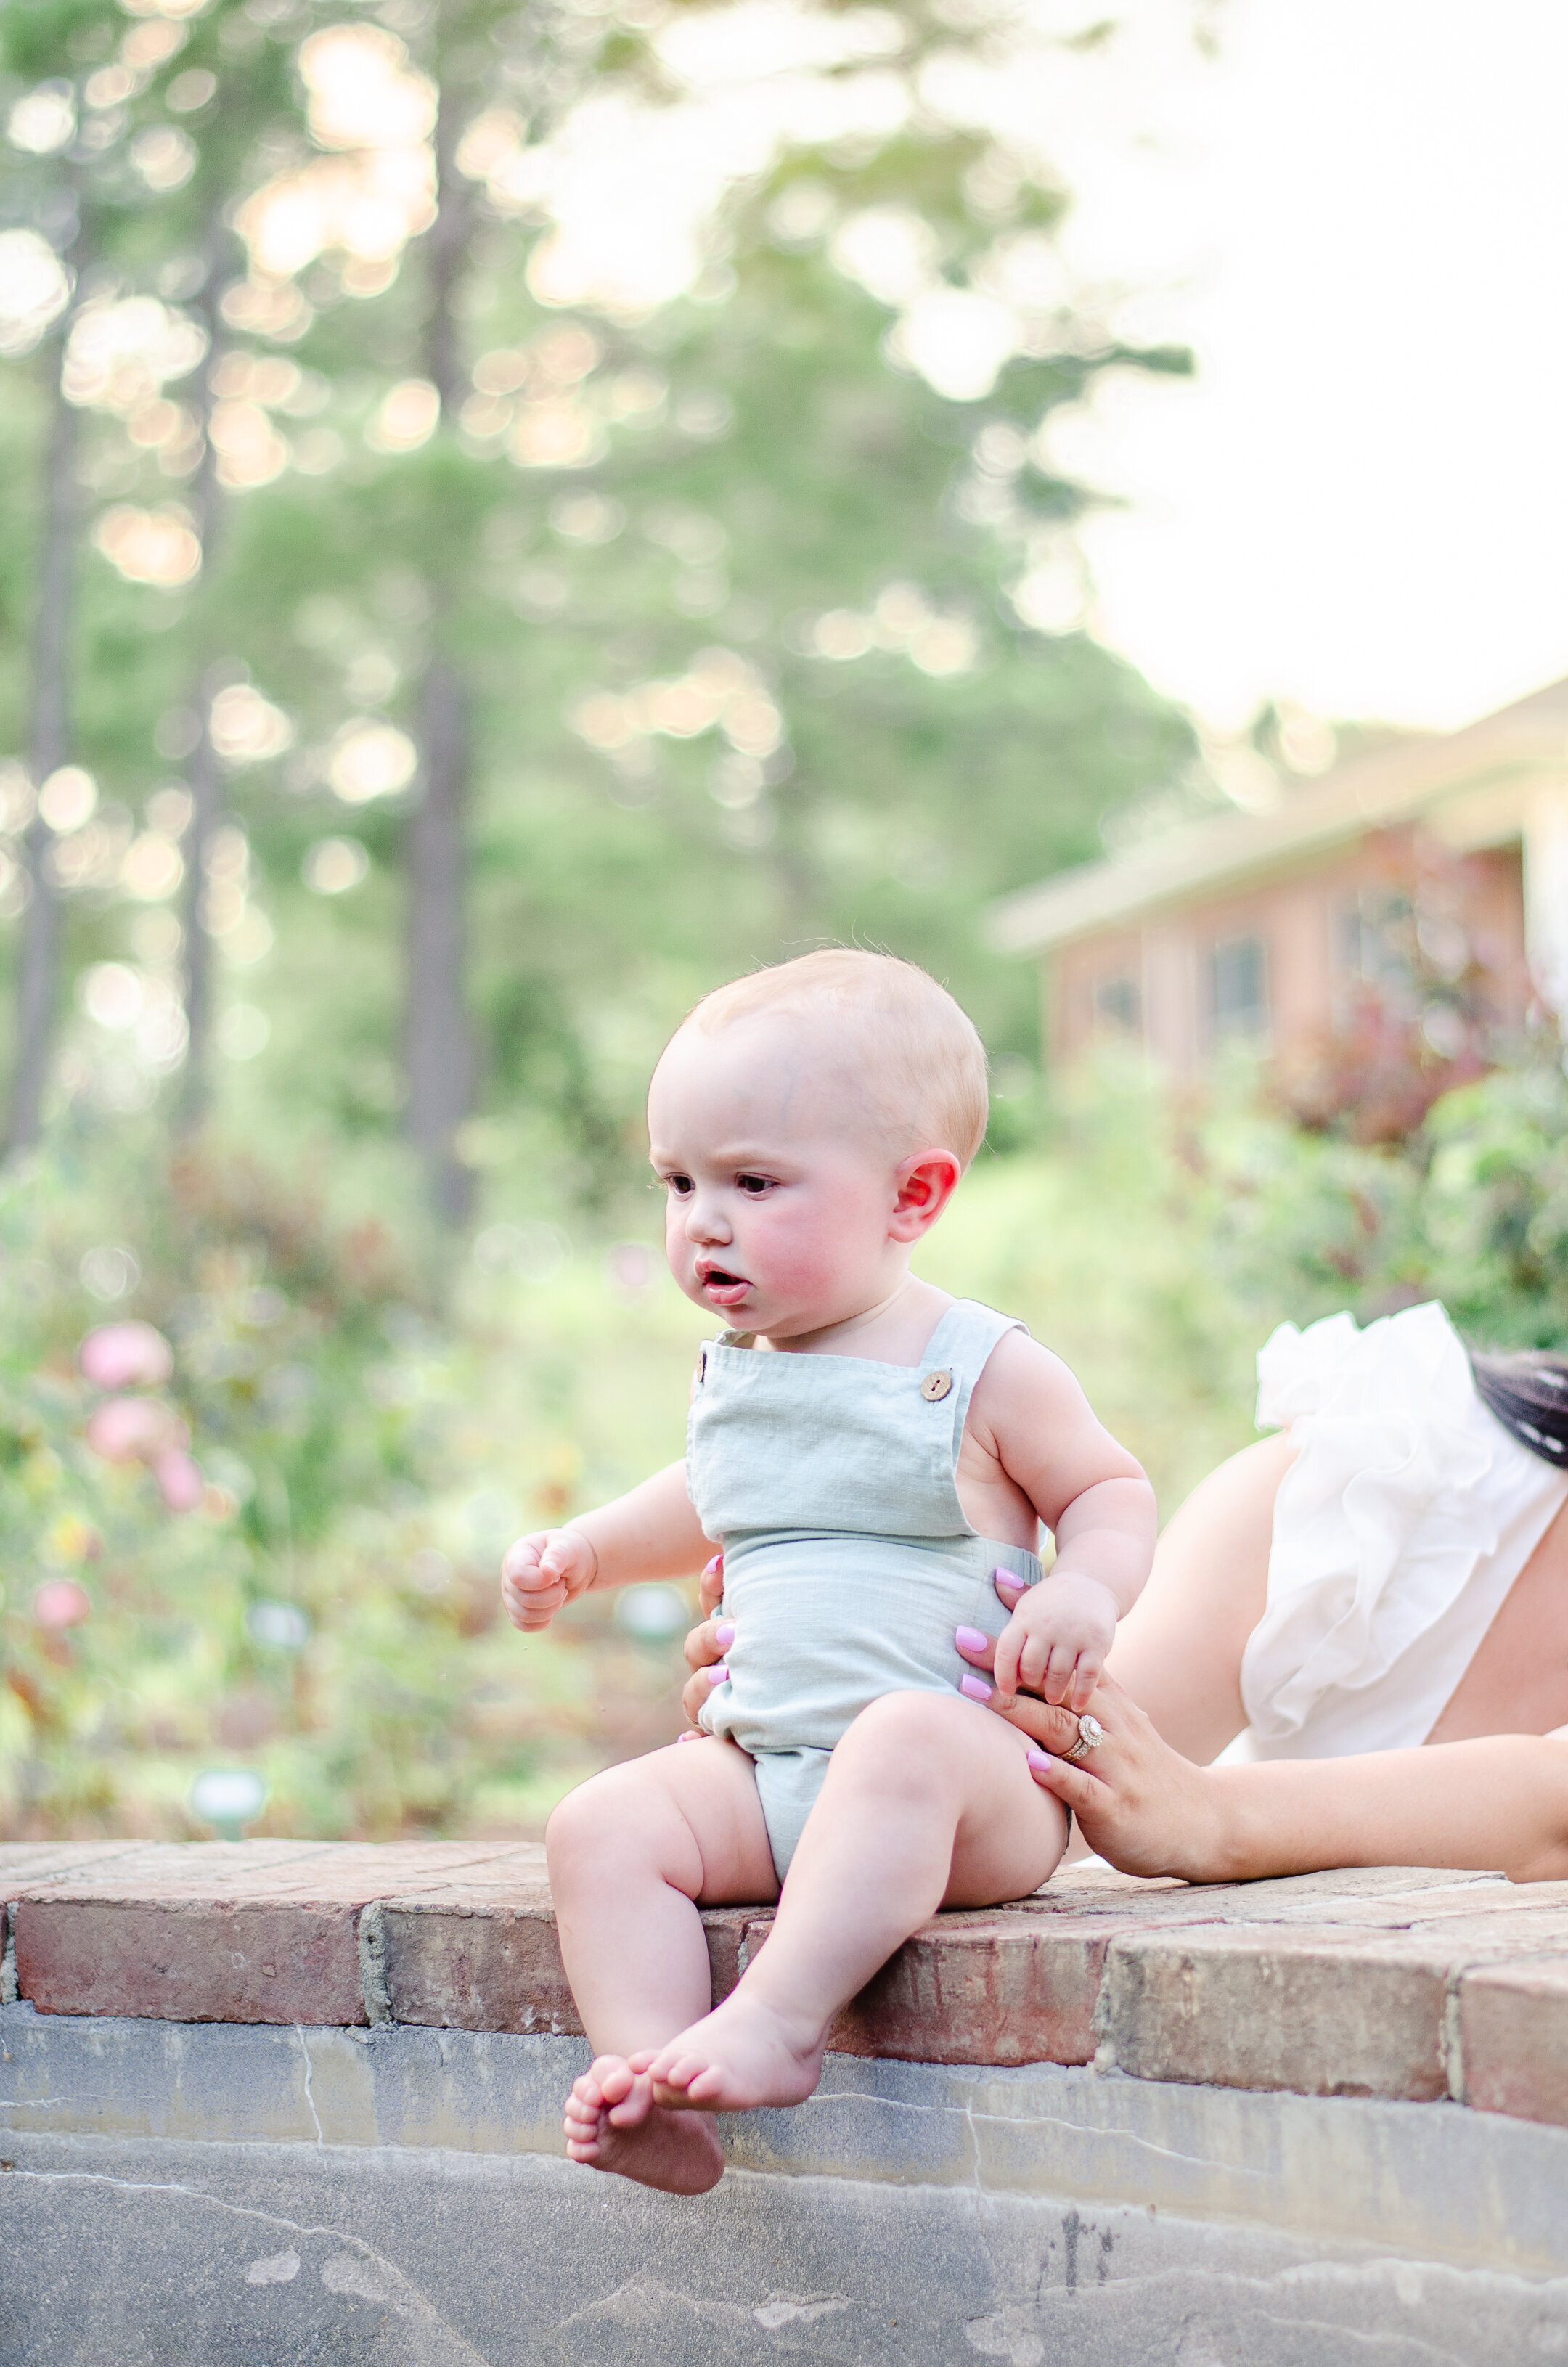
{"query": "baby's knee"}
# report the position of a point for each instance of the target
(912, 1726)
(581, 1825)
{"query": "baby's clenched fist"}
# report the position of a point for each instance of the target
(542, 1572)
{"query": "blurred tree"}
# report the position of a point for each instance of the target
(47, 193)
(698, 626)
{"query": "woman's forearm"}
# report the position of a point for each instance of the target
(1499, 1802)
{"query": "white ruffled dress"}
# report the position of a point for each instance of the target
(1398, 1530)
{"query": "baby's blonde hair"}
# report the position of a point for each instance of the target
(923, 1060)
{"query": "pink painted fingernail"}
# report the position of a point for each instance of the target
(1040, 1759)
(688, 1737)
(711, 1569)
(970, 1639)
(724, 1634)
(718, 1674)
(975, 1688)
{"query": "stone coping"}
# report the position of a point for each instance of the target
(1394, 1982)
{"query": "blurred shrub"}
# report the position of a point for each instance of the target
(1471, 1207)
(326, 1612)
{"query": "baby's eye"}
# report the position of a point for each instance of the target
(754, 1185)
(680, 1185)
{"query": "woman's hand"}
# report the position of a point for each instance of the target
(1139, 1804)
(706, 1646)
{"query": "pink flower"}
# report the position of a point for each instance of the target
(61, 1603)
(135, 1430)
(125, 1356)
(179, 1479)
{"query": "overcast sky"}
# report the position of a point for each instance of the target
(1362, 502)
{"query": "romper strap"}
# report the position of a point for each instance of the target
(962, 1344)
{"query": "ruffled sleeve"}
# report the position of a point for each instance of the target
(1380, 1521)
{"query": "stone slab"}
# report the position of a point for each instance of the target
(233, 2256)
(1432, 2180)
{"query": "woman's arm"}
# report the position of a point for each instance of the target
(1498, 1802)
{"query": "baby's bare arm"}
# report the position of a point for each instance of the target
(1093, 1495)
(651, 1532)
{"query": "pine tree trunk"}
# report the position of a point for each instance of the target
(438, 1039)
(38, 981)
(203, 774)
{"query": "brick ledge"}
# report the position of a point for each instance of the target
(1392, 1982)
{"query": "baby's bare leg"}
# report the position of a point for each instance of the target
(926, 1803)
(631, 1853)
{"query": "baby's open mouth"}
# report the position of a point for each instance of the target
(719, 1283)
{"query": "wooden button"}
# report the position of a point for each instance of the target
(935, 1386)
(701, 1367)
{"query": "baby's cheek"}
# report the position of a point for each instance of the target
(794, 1255)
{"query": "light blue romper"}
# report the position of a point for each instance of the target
(830, 1483)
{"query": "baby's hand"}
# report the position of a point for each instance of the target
(542, 1572)
(1056, 1641)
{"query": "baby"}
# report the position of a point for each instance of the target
(866, 1452)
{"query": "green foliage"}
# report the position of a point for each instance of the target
(1473, 1208)
(330, 1614)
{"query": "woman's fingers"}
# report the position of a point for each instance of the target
(698, 1686)
(709, 1643)
(976, 1647)
(1054, 1729)
(711, 1586)
(1073, 1786)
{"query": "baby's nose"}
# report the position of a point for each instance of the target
(705, 1222)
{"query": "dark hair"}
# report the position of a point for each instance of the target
(1529, 1394)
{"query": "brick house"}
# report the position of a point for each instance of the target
(1445, 854)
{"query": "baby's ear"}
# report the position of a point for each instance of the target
(925, 1183)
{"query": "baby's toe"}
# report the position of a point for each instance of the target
(613, 2076)
(676, 2069)
(634, 2106)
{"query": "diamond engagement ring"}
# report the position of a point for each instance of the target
(1091, 1734)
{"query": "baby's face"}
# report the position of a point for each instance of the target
(779, 1187)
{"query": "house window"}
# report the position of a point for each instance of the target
(1239, 988)
(1377, 937)
(1116, 1002)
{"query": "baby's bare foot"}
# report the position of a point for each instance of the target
(610, 2124)
(741, 2055)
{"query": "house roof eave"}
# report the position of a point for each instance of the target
(1373, 791)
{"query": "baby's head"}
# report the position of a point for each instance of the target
(810, 1122)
